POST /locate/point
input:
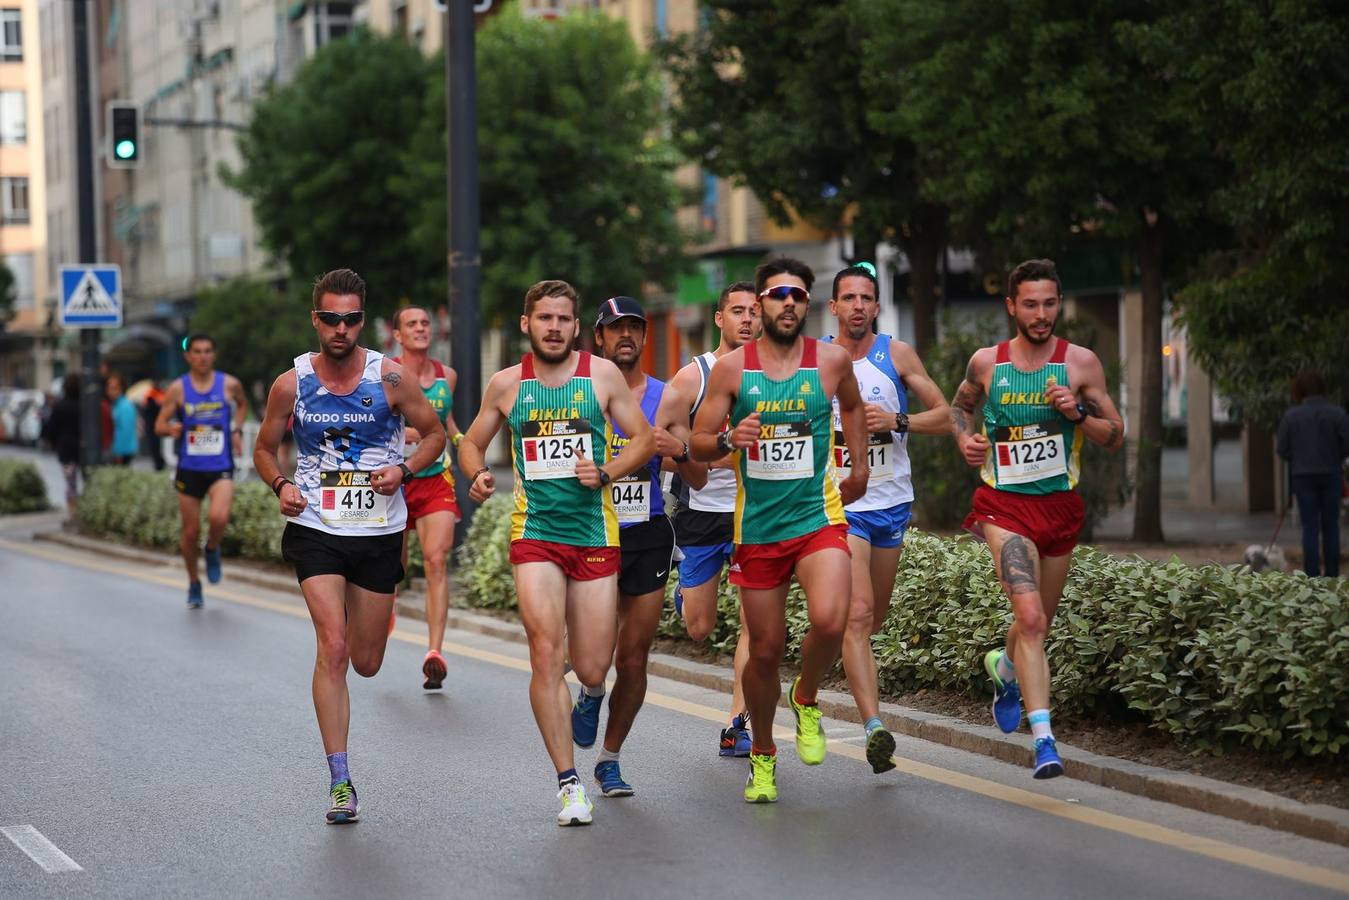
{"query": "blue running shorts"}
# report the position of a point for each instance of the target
(702, 564)
(882, 528)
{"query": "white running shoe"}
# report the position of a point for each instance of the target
(576, 806)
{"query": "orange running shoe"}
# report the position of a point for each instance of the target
(433, 667)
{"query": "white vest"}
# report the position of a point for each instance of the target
(718, 496)
(881, 384)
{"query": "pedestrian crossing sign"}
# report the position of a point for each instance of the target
(91, 296)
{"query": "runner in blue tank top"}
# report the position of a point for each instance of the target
(345, 510)
(203, 412)
(886, 370)
(646, 547)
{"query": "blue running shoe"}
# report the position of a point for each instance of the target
(1047, 762)
(735, 740)
(585, 719)
(1006, 695)
(212, 564)
(611, 780)
(194, 599)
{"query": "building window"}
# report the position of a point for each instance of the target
(13, 118)
(11, 36)
(13, 201)
(21, 267)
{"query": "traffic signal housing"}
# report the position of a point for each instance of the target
(124, 134)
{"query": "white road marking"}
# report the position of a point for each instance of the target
(39, 849)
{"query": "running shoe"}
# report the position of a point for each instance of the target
(212, 557)
(762, 786)
(585, 719)
(1047, 762)
(433, 667)
(194, 598)
(344, 807)
(810, 740)
(611, 780)
(1006, 695)
(576, 806)
(881, 750)
(735, 739)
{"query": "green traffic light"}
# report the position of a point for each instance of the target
(125, 149)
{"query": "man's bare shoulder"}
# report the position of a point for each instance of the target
(981, 363)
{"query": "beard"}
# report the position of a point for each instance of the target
(781, 335)
(549, 356)
(1026, 333)
(339, 352)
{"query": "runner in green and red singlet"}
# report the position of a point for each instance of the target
(559, 404)
(779, 392)
(1042, 397)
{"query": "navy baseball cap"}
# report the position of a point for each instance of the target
(615, 308)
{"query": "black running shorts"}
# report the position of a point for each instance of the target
(191, 483)
(647, 553)
(373, 562)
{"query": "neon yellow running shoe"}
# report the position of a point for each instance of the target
(762, 786)
(810, 741)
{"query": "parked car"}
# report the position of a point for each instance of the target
(21, 415)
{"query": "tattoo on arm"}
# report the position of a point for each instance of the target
(393, 378)
(967, 396)
(1093, 408)
(1018, 572)
(1114, 434)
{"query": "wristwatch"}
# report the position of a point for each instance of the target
(1082, 414)
(407, 473)
(901, 423)
(604, 478)
(683, 457)
(724, 442)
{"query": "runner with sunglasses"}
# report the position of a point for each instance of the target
(1041, 396)
(345, 511)
(433, 509)
(203, 411)
(778, 392)
(560, 404)
(704, 520)
(886, 370)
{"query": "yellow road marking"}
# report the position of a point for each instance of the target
(1158, 834)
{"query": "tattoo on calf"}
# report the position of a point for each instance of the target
(393, 378)
(1018, 572)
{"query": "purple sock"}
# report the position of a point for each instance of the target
(337, 767)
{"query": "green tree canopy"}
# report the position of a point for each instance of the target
(772, 94)
(321, 157)
(9, 293)
(576, 181)
(258, 331)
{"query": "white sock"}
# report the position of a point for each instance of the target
(593, 691)
(1039, 723)
(606, 756)
(1006, 671)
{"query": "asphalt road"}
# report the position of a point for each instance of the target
(172, 753)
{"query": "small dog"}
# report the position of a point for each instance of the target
(1265, 559)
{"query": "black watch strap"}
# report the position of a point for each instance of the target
(407, 473)
(683, 457)
(724, 442)
(901, 423)
(604, 478)
(1082, 414)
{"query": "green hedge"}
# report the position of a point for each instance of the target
(21, 488)
(1215, 656)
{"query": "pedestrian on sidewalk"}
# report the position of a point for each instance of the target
(1314, 439)
(125, 441)
(62, 432)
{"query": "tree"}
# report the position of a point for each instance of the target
(9, 293)
(1063, 118)
(258, 331)
(321, 156)
(772, 94)
(576, 181)
(1273, 304)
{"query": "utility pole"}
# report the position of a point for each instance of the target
(465, 259)
(91, 422)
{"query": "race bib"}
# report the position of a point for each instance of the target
(782, 453)
(205, 440)
(880, 456)
(1023, 453)
(347, 500)
(551, 448)
(632, 497)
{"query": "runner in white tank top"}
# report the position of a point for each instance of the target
(886, 370)
(704, 517)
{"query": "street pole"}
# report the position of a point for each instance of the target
(465, 261)
(91, 422)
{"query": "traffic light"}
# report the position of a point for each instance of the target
(124, 134)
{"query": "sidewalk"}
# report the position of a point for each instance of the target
(1257, 807)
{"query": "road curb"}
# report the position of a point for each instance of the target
(1257, 807)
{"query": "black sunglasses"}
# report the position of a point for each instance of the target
(332, 319)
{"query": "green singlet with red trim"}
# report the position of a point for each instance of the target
(1032, 448)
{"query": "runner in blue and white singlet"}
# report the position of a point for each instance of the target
(886, 370)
